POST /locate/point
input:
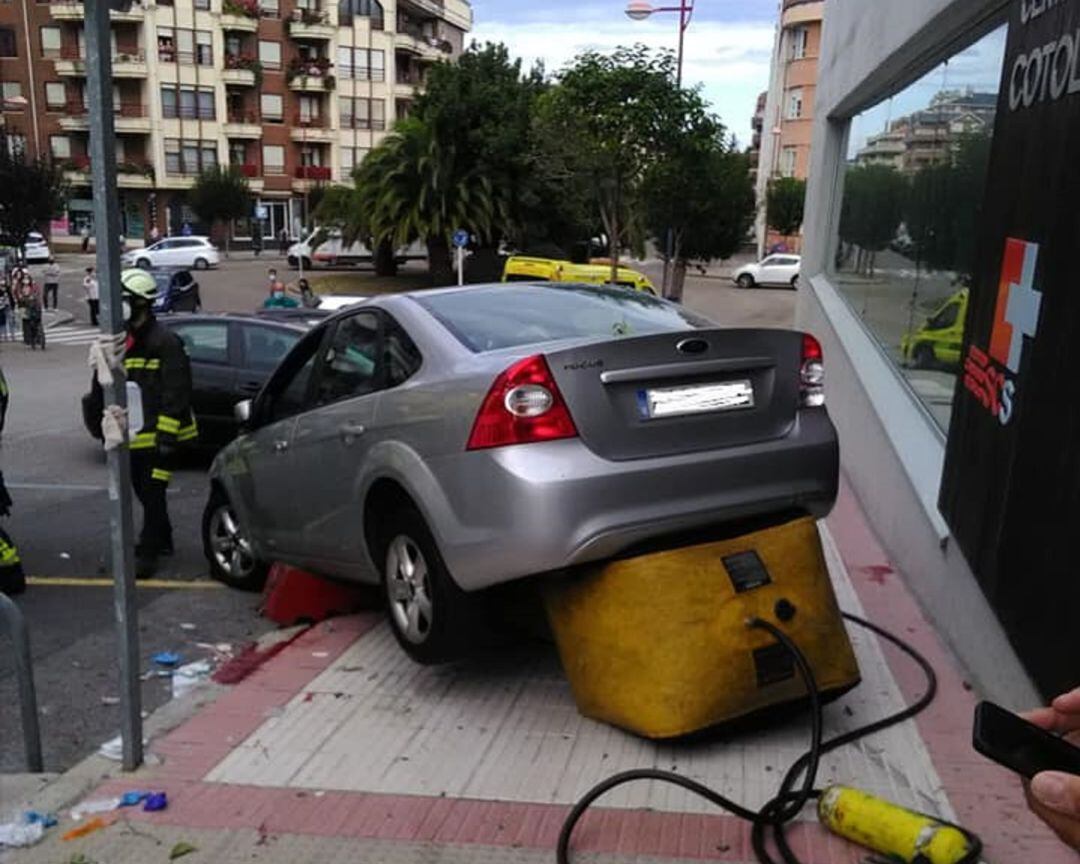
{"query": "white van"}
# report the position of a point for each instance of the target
(324, 247)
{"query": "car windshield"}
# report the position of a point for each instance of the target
(506, 316)
(162, 280)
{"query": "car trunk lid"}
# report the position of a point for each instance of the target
(681, 392)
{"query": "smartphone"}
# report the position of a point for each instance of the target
(1021, 746)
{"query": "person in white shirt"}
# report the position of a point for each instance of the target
(52, 282)
(90, 286)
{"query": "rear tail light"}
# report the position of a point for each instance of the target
(523, 406)
(811, 374)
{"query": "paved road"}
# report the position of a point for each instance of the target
(56, 476)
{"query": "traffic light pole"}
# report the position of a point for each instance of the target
(108, 229)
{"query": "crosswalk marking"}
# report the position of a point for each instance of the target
(71, 334)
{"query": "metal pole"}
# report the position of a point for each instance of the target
(24, 671)
(683, 9)
(107, 223)
(669, 266)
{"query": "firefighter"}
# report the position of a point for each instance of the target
(159, 401)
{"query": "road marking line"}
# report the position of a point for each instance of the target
(76, 582)
(60, 487)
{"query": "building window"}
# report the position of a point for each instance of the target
(186, 47)
(189, 157)
(273, 107)
(270, 8)
(351, 157)
(360, 113)
(270, 54)
(7, 42)
(55, 95)
(16, 143)
(370, 9)
(202, 4)
(273, 159)
(60, 146)
(310, 110)
(11, 90)
(787, 161)
(361, 63)
(187, 103)
(906, 245)
(50, 42)
(794, 103)
(799, 37)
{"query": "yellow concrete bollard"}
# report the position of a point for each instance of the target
(659, 644)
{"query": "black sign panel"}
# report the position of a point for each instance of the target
(1011, 489)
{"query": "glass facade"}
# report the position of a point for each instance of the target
(913, 187)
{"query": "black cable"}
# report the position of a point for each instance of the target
(786, 805)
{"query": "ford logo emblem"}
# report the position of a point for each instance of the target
(692, 346)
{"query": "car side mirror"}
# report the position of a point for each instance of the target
(242, 412)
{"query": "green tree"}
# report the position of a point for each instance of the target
(785, 198)
(943, 207)
(221, 194)
(413, 187)
(608, 119)
(32, 191)
(702, 192)
(872, 210)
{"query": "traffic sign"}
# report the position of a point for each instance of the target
(262, 211)
(461, 238)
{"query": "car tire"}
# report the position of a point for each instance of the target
(201, 264)
(795, 283)
(293, 262)
(227, 550)
(923, 356)
(745, 281)
(143, 264)
(428, 613)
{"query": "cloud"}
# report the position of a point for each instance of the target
(729, 59)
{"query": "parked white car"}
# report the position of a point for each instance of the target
(36, 250)
(779, 269)
(197, 253)
(326, 248)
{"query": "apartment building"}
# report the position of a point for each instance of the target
(292, 92)
(788, 120)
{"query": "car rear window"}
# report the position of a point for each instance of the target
(507, 316)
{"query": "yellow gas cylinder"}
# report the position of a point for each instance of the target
(891, 830)
(659, 643)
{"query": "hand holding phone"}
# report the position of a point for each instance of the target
(1019, 745)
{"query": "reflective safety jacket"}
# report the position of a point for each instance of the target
(156, 361)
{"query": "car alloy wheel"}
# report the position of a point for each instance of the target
(143, 264)
(229, 546)
(408, 589)
(201, 264)
(746, 281)
(923, 356)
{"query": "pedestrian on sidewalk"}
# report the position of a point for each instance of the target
(278, 299)
(93, 296)
(283, 241)
(7, 312)
(52, 283)
(257, 240)
(85, 234)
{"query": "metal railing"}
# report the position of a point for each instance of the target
(12, 617)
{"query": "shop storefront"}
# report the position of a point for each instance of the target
(940, 229)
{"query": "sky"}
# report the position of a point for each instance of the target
(728, 44)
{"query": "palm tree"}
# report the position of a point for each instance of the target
(410, 187)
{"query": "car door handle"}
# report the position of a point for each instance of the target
(349, 431)
(281, 446)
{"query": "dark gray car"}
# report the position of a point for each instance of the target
(442, 442)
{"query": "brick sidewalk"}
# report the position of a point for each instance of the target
(342, 749)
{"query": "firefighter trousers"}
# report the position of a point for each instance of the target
(150, 479)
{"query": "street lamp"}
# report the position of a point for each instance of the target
(639, 10)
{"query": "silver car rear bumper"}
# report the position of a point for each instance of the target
(512, 512)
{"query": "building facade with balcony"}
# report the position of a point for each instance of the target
(292, 92)
(788, 118)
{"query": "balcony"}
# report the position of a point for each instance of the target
(252, 172)
(242, 124)
(68, 10)
(315, 130)
(311, 24)
(136, 174)
(130, 117)
(455, 13)
(306, 83)
(240, 15)
(412, 40)
(70, 64)
(308, 176)
(242, 70)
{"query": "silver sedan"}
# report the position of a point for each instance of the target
(441, 442)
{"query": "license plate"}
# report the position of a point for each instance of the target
(695, 399)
